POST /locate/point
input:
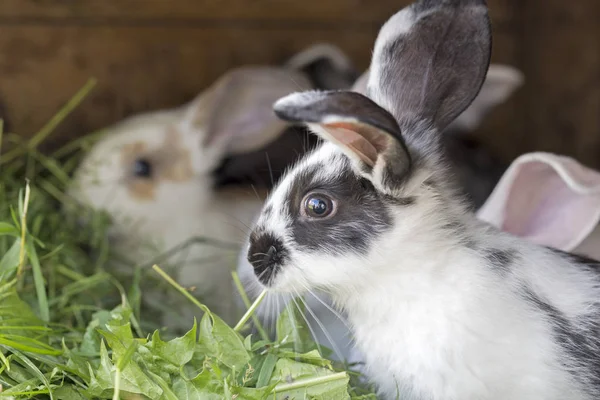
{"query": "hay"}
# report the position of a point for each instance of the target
(69, 329)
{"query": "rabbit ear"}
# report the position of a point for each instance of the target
(327, 66)
(549, 199)
(500, 83)
(364, 131)
(430, 60)
(235, 114)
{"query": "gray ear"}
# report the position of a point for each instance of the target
(430, 60)
(364, 131)
(235, 114)
(327, 66)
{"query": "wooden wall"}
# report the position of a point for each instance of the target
(149, 54)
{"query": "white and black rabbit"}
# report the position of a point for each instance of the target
(474, 165)
(442, 305)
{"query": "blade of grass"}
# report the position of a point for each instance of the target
(47, 129)
(308, 382)
(250, 311)
(246, 300)
(23, 210)
(5, 361)
(38, 279)
(35, 370)
(62, 114)
(180, 289)
(34, 347)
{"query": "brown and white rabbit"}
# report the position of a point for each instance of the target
(477, 170)
(442, 305)
(167, 177)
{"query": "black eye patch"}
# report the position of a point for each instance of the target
(362, 213)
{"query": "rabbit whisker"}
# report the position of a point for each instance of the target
(312, 332)
(331, 309)
(334, 346)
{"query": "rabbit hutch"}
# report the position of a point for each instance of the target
(137, 286)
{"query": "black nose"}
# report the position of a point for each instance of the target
(267, 254)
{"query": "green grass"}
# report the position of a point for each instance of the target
(72, 329)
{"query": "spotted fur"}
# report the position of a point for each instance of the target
(431, 314)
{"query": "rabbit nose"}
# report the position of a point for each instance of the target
(266, 254)
(272, 252)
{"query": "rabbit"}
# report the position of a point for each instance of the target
(169, 176)
(477, 169)
(441, 304)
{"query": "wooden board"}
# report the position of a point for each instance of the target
(338, 12)
(157, 64)
(151, 54)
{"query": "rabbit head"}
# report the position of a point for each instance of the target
(383, 153)
(476, 169)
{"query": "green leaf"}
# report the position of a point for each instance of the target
(133, 379)
(242, 393)
(248, 343)
(178, 351)
(91, 338)
(266, 370)
(291, 329)
(68, 393)
(167, 393)
(299, 380)
(8, 229)
(219, 340)
(205, 385)
(10, 260)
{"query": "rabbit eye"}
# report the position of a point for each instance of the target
(318, 206)
(142, 168)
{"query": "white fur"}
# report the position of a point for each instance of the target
(430, 311)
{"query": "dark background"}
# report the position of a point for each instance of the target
(150, 54)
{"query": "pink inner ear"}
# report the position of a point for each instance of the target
(541, 207)
(362, 140)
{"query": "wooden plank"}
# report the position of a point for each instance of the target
(137, 69)
(144, 68)
(339, 12)
(551, 14)
(563, 92)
